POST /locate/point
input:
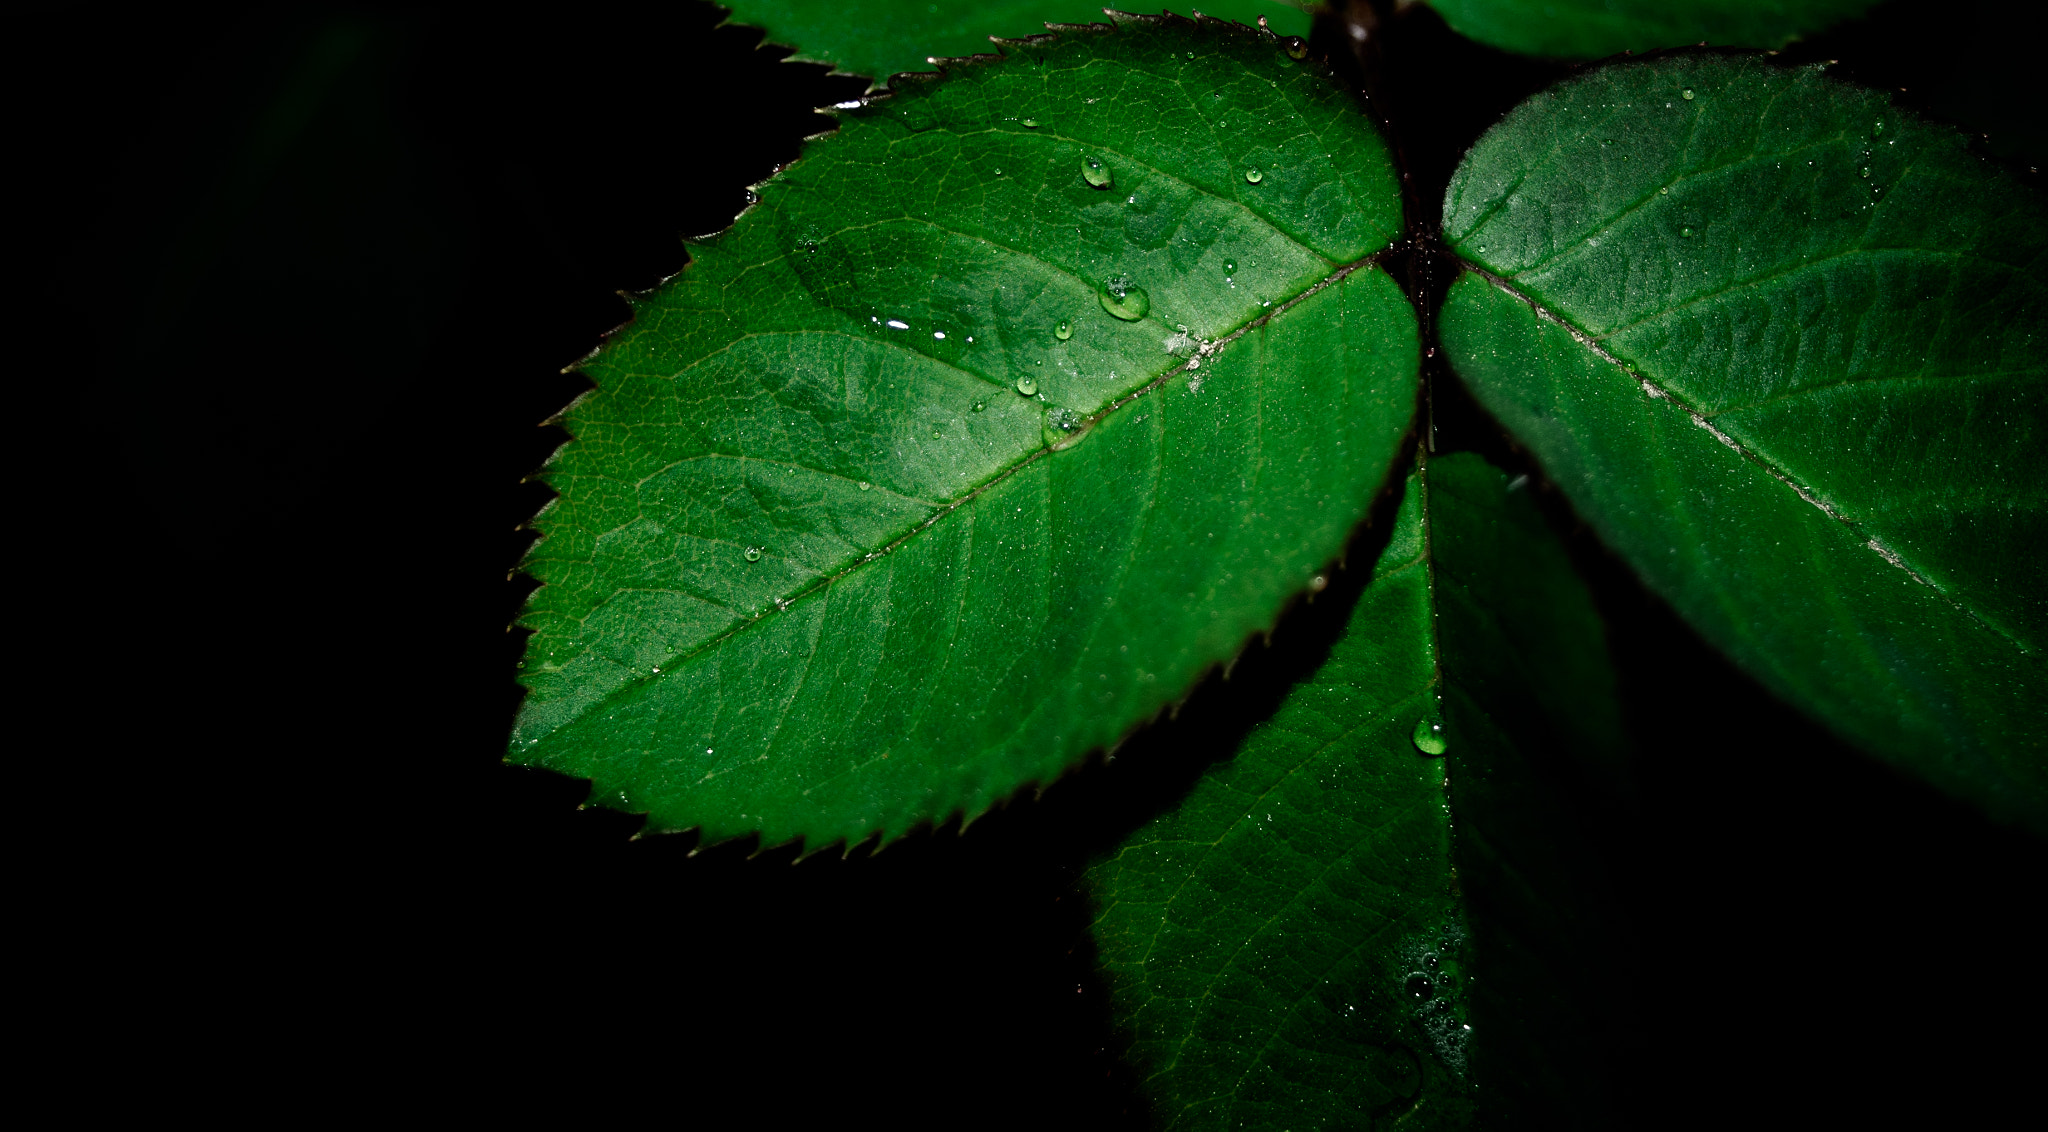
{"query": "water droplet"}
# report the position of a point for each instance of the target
(1066, 420)
(1428, 737)
(1095, 172)
(1253, 176)
(1295, 46)
(1878, 128)
(1125, 301)
(1027, 385)
(1685, 232)
(1430, 961)
(939, 334)
(1030, 123)
(1063, 331)
(1191, 54)
(999, 172)
(1665, 191)
(980, 405)
(1420, 987)
(1686, 94)
(897, 324)
(864, 486)
(1319, 583)
(751, 554)
(1230, 267)
(1863, 172)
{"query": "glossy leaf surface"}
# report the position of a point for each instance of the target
(878, 511)
(881, 38)
(1592, 29)
(1793, 370)
(1303, 941)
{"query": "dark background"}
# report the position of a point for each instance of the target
(304, 284)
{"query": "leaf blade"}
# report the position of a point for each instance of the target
(1800, 345)
(1262, 939)
(935, 555)
(1592, 29)
(883, 38)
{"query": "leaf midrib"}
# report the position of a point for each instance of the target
(782, 604)
(1890, 555)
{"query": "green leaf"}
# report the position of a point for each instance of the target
(1306, 940)
(1786, 354)
(820, 567)
(1590, 29)
(881, 38)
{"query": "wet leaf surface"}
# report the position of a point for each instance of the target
(851, 537)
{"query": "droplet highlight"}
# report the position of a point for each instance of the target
(1230, 267)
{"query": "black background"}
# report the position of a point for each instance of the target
(310, 281)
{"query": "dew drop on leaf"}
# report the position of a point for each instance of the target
(752, 554)
(1095, 172)
(1428, 737)
(864, 486)
(1027, 385)
(1124, 301)
(1295, 46)
(1420, 987)
(1063, 331)
(1253, 176)
(1030, 123)
(1686, 94)
(1230, 267)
